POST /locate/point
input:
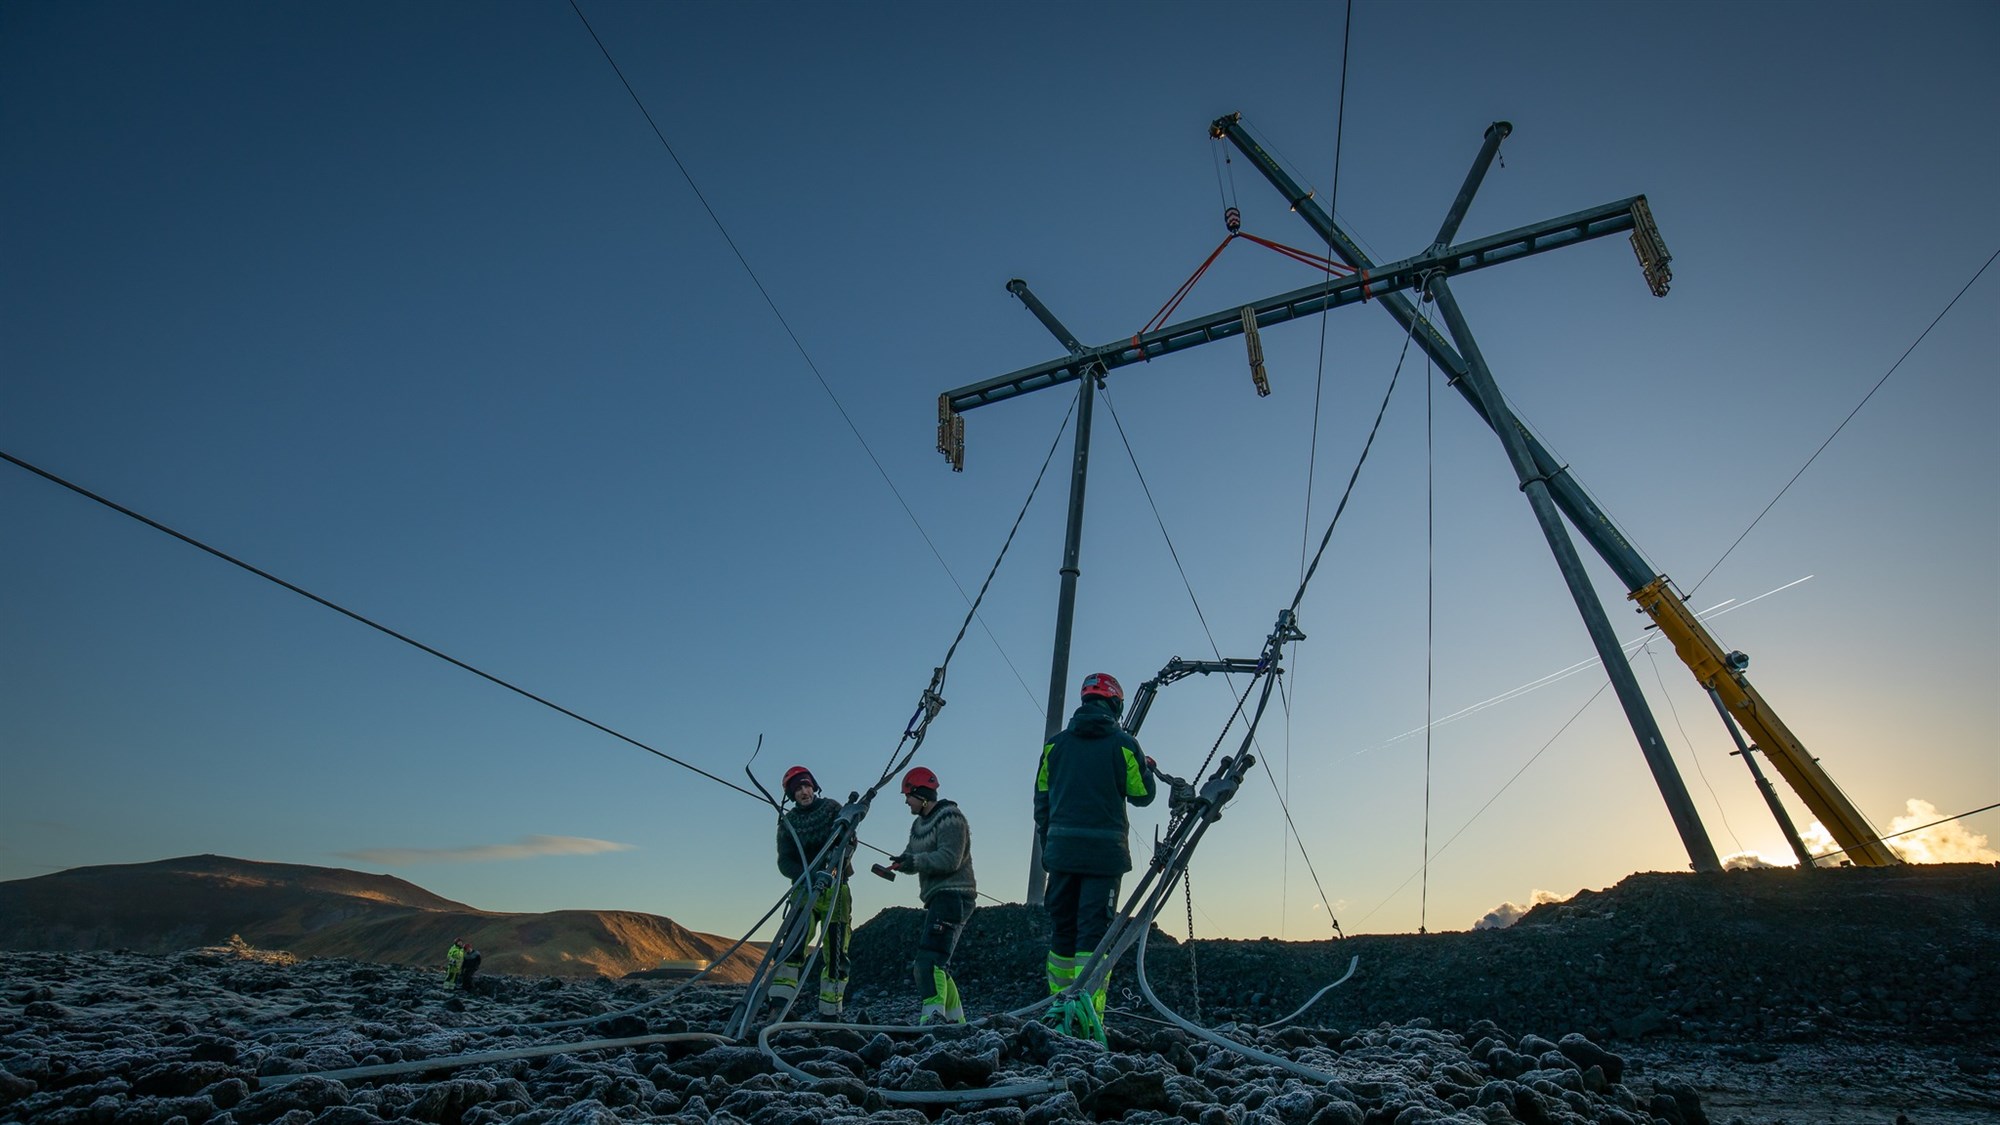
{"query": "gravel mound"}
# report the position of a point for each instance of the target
(217, 1037)
(1907, 954)
(1521, 1025)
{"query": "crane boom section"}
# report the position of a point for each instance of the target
(1711, 667)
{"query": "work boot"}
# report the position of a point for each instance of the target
(832, 999)
(1062, 971)
(954, 1006)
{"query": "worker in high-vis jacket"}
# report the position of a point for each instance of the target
(803, 831)
(1090, 771)
(461, 964)
(940, 855)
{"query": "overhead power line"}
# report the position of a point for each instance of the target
(797, 344)
(1850, 417)
(371, 623)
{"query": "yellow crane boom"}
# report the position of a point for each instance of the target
(1715, 670)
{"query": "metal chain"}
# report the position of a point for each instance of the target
(1194, 976)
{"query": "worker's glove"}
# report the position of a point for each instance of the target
(1151, 765)
(901, 862)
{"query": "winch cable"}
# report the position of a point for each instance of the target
(1532, 758)
(1430, 628)
(797, 344)
(1639, 645)
(789, 928)
(1160, 520)
(1203, 809)
(1692, 754)
(1312, 451)
(1192, 814)
(937, 680)
(834, 857)
(371, 623)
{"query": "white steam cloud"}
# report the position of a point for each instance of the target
(1950, 842)
(527, 847)
(1745, 861)
(1508, 913)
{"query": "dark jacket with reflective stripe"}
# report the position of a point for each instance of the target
(1089, 773)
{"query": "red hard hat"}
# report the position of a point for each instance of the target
(1101, 685)
(919, 778)
(798, 774)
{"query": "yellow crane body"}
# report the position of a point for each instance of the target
(1768, 733)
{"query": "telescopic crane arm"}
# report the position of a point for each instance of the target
(1713, 668)
(1722, 673)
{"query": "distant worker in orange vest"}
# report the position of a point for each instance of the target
(940, 854)
(1090, 771)
(803, 830)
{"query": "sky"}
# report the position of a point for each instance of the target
(409, 306)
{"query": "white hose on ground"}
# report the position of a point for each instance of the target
(1352, 964)
(1223, 1041)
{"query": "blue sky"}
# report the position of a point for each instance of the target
(407, 305)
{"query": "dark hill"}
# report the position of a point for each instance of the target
(205, 900)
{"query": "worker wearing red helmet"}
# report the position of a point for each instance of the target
(940, 855)
(1090, 771)
(803, 831)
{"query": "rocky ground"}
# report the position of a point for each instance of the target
(1665, 1000)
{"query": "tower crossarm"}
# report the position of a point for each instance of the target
(1371, 283)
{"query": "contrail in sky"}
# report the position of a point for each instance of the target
(527, 847)
(1632, 646)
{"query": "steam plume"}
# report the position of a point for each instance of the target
(1508, 913)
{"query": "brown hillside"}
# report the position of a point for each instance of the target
(176, 904)
(562, 943)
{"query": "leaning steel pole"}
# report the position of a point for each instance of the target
(1680, 806)
(1545, 482)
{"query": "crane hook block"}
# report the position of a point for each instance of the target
(1255, 344)
(1233, 219)
(951, 434)
(1654, 258)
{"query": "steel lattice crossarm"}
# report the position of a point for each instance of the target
(1367, 284)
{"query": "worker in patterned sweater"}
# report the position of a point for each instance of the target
(940, 854)
(1090, 771)
(803, 830)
